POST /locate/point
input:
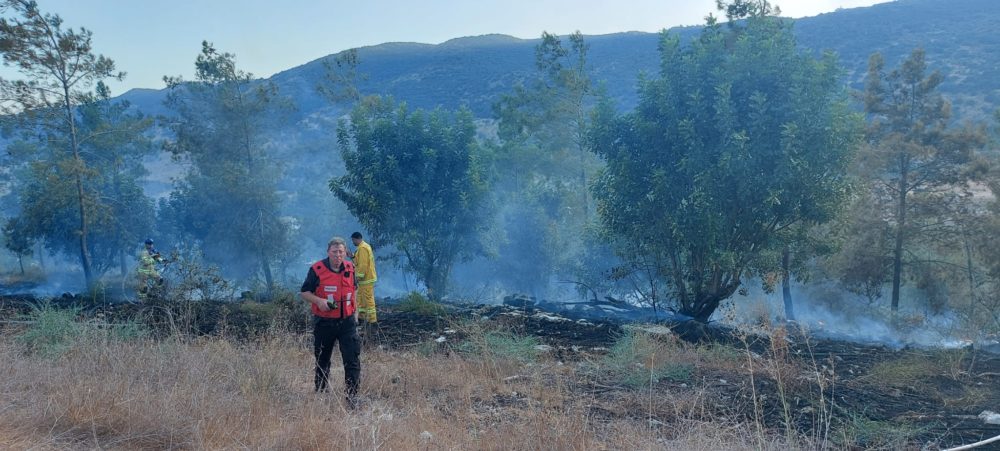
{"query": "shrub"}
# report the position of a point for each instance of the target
(51, 331)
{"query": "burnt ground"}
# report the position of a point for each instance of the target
(932, 397)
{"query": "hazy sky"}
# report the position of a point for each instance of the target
(150, 39)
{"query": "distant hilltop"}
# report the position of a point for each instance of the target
(959, 37)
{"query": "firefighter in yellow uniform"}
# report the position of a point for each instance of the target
(149, 277)
(364, 267)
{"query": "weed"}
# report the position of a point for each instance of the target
(500, 345)
(638, 358)
(417, 303)
(859, 431)
(909, 370)
(51, 331)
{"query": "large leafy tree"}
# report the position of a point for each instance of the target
(58, 67)
(416, 180)
(917, 161)
(740, 138)
(228, 201)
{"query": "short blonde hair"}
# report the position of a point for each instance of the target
(336, 241)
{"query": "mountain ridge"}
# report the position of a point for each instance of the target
(474, 71)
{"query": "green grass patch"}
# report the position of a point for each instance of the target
(500, 345)
(52, 332)
(860, 432)
(638, 358)
(914, 369)
(419, 304)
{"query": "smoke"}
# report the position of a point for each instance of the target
(826, 310)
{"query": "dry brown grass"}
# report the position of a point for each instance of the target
(215, 393)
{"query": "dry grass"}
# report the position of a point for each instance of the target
(216, 393)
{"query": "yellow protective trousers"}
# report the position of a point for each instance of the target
(366, 303)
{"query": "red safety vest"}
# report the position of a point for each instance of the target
(337, 288)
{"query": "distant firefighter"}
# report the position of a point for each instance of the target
(149, 277)
(364, 264)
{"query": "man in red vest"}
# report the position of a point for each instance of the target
(329, 289)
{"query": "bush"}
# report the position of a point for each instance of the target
(51, 331)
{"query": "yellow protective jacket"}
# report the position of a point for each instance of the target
(364, 264)
(147, 264)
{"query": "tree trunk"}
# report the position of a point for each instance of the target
(122, 266)
(78, 176)
(41, 257)
(897, 254)
(436, 279)
(786, 289)
(703, 310)
(265, 265)
(972, 280)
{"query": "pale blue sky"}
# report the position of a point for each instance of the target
(150, 39)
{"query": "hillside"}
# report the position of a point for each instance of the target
(958, 36)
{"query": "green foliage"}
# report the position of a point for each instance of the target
(859, 431)
(17, 240)
(62, 201)
(190, 277)
(118, 212)
(498, 346)
(917, 163)
(417, 181)
(228, 201)
(419, 304)
(741, 137)
(52, 331)
(638, 359)
(543, 165)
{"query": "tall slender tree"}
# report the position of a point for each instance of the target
(544, 163)
(228, 201)
(917, 159)
(58, 67)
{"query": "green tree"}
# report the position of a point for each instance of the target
(543, 163)
(118, 211)
(417, 181)
(58, 66)
(116, 143)
(919, 162)
(17, 241)
(228, 201)
(741, 137)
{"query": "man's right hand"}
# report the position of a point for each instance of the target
(323, 307)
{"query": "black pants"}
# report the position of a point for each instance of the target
(345, 331)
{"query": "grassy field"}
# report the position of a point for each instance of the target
(70, 383)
